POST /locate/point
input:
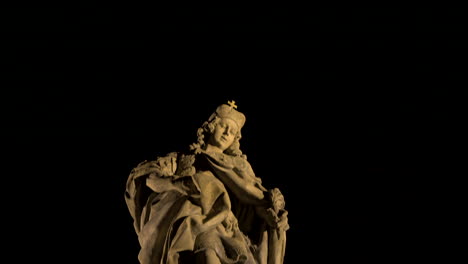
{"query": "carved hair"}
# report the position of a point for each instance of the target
(206, 130)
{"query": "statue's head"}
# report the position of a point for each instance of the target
(229, 112)
(223, 130)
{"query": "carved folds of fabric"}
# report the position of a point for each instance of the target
(179, 208)
(173, 205)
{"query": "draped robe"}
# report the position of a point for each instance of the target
(180, 207)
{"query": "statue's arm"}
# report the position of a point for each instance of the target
(243, 189)
(243, 185)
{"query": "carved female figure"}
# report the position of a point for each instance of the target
(207, 205)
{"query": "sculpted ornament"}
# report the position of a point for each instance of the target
(206, 205)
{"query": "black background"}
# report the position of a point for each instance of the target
(345, 111)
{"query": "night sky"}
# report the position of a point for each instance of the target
(345, 110)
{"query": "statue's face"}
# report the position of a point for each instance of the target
(224, 134)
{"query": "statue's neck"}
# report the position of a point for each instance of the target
(211, 148)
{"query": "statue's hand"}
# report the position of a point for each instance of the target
(272, 219)
(283, 222)
(276, 220)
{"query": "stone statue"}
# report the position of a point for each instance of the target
(206, 205)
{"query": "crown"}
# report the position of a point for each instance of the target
(229, 111)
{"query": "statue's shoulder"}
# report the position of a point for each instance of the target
(240, 162)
